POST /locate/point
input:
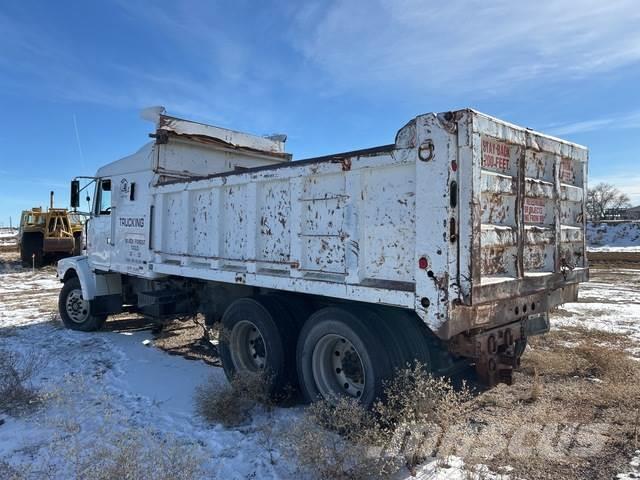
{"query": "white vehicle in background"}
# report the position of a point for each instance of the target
(448, 246)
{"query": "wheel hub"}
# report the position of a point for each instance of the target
(77, 307)
(248, 350)
(337, 367)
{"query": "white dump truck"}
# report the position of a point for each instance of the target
(448, 246)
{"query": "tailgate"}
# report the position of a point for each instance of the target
(529, 223)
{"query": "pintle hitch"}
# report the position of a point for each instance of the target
(494, 352)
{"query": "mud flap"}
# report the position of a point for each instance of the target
(536, 325)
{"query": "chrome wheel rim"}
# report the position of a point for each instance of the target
(76, 306)
(248, 348)
(337, 368)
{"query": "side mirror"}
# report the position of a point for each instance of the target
(75, 193)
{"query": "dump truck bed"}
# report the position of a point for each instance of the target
(464, 218)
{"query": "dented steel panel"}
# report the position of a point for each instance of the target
(462, 219)
(524, 229)
(532, 203)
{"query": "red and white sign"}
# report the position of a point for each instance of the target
(534, 210)
(566, 171)
(495, 155)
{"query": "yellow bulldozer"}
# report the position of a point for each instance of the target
(50, 234)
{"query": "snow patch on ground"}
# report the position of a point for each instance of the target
(454, 469)
(26, 297)
(606, 306)
(8, 237)
(609, 237)
(6, 232)
(106, 381)
(634, 473)
(110, 381)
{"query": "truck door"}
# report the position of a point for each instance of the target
(99, 237)
(130, 214)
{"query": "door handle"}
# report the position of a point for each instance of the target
(113, 226)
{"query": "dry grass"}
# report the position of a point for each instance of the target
(231, 405)
(573, 413)
(16, 373)
(577, 389)
(190, 339)
(345, 441)
(338, 441)
(9, 472)
(417, 409)
(132, 454)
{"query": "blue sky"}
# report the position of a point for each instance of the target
(333, 75)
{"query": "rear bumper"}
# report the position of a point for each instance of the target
(546, 293)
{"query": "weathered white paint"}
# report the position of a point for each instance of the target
(355, 226)
(180, 126)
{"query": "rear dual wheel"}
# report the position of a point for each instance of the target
(352, 351)
(258, 336)
(341, 351)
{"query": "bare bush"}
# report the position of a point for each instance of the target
(16, 372)
(131, 454)
(134, 455)
(343, 440)
(231, 404)
(416, 395)
(336, 440)
(418, 408)
(10, 472)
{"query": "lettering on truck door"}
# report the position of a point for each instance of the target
(132, 226)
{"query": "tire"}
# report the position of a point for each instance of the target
(259, 335)
(341, 353)
(403, 331)
(75, 311)
(299, 309)
(31, 252)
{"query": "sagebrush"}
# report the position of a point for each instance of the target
(16, 374)
(232, 403)
(341, 439)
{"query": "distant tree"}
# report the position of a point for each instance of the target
(604, 198)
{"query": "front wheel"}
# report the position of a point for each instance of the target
(75, 311)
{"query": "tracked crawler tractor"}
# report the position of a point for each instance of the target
(448, 246)
(50, 234)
